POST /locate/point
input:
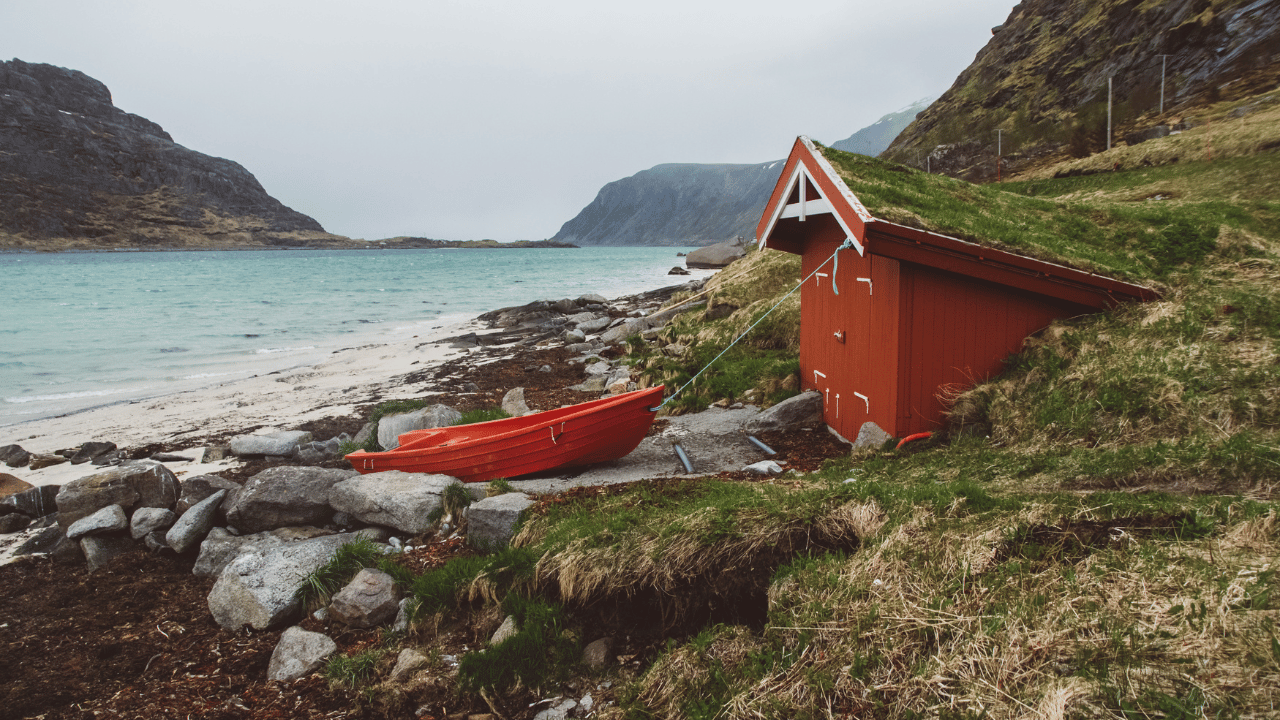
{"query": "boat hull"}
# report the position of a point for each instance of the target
(591, 432)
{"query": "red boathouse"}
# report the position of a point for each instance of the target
(900, 315)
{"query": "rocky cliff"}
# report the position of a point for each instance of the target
(76, 172)
(1042, 78)
(675, 204)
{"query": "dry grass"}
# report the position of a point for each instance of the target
(753, 284)
(943, 616)
(712, 546)
(1227, 130)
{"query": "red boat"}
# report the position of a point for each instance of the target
(582, 434)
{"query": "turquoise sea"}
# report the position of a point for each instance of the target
(86, 329)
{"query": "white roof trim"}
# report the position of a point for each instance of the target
(836, 180)
(822, 204)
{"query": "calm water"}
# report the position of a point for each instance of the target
(82, 330)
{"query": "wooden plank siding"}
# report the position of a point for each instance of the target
(959, 331)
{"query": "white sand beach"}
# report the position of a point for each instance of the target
(276, 401)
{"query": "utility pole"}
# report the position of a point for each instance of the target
(998, 153)
(1108, 113)
(1164, 59)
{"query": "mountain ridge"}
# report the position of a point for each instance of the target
(79, 173)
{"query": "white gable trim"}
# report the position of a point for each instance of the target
(837, 181)
(818, 206)
(804, 209)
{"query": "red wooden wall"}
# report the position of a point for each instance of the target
(850, 339)
(883, 350)
(957, 332)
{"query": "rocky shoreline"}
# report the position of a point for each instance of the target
(259, 510)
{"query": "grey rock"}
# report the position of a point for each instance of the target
(716, 311)
(198, 487)
(194, 523)
(629, 327)
(369, 600)
(579, 318)
(149, 520)
(158, 457)
(102, 549)
(595, 383)
(298, 654)
(715, 256)
(513, 403)
(34, 503)
(601, 367)
(871, 435)
(802, 410)
(401, 623)
(591, 298)
(506, 630)
(677, 270)
(139, 483)
(14, 456)
(309, 454)
(283, 443)
(579, 347)
(215, 453)
(40, 461)
(155, 541)
(285, 496)
(595, 326)
(491, 522)
(574, 336)
(91, 450)
(395, 499)
(13, 522)
(391, 427)
(1151, 133)
(621, 375)
(565, 306)
(259, 589)
(42, 541)
(599, 653)
(220, 547)
(107, 520)
(764, 467)
(559, 711)
(376, 534)
(408, 663)
(366, 432)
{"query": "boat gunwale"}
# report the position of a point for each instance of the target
(526, 424)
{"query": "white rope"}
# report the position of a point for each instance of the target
(669, 398)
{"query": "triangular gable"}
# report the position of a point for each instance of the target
(809, 186)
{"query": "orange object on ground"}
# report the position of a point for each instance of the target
(909, 438)
(590, 432)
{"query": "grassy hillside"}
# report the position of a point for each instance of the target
(1096, 537)
(1042, 80)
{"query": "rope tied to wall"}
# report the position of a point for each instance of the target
(848, 243)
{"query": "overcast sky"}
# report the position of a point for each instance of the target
(496, 119)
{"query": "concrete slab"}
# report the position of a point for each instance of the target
(713, 440)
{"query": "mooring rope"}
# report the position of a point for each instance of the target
(834, 256)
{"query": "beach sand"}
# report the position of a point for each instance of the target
(183, 422)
